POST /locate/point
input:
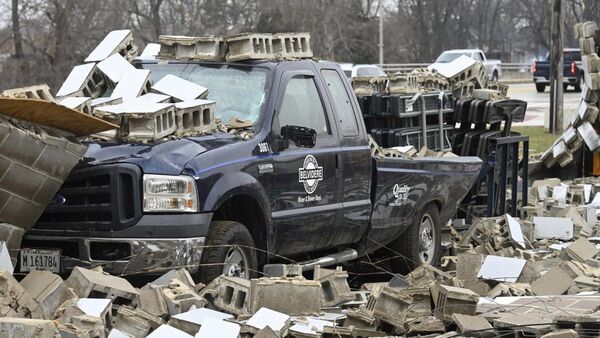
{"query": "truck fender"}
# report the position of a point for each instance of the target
(233, 184)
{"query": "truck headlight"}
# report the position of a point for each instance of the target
(164, 193)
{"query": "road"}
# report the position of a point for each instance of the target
(538, 104)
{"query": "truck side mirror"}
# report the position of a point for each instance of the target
(301, 136)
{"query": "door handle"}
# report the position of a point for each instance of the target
(338, 165)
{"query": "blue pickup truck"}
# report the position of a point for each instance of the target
(572, 71)
(305, 185)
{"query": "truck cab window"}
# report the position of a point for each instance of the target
(341, 102)
(302, 106)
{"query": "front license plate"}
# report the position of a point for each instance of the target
(40, 260)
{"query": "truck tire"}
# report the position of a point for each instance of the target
(540, 88)
(495, 76)
(421, 243)
(229, 250)
(578, 84)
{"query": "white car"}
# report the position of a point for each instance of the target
(492, 67)
(352, 70)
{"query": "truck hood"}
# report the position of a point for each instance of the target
(168, 158)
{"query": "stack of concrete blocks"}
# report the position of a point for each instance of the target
(204, 48)
(582, 126)
(38, 92)
(430, 80)
(369, 85)
(30, 178)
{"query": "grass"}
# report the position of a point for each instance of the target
(539, 138)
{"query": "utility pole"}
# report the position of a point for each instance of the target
(556, 68)
(381, 38)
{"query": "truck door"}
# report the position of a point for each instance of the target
(355, 157)
(305, 182)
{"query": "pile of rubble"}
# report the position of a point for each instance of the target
(583, 124)
(463, 76)
(110, 87)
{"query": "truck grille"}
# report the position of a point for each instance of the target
(96, 198)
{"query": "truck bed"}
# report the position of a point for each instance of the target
(402, 187)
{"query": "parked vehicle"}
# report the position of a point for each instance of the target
(352, 70)
(572, 71)
(304, 186)
(493, 67)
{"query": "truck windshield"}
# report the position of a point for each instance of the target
(239, 91)
(449, 57)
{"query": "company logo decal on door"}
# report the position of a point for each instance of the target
(400, 194)
(310, 174)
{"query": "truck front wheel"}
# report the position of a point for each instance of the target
(421, 243)
(229, 251)
(540, 87)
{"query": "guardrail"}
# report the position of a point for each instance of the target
(409, 67)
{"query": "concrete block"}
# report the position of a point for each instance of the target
(249, 46)
(180, 297)
(150, 52)
(282, 270)
(84, 80)
(143, 121)
(97, 307)
(22, 327)
(218, 328)
(133, 84)
(114, 333)
(368, 85)
(6, 263)
(93, 326)
(588, 95)
(115, 42)
(151, 98)
(292, 45)
(135, 322)
(585, 29)
(487, 94)
(590, 63)
(334, 286)
(82, 104)
(515, 231)
(48, 290)
(589, 136)
(425, 326)
(592, 80)
(115, 67)
(402, 84)
(180, 89)
(167, 331)
(191, 321)
(552, 228)
(203, 48)
(278, 321)
(466, 324)
(38, 92)
(586, 112)
(195, 116)
(180, 274)
(554, 282)
(523, 324)
(293, 296)
(502, 269)
(451, 300)
(581, 250)
(87, 283)
(15, 301)
(391, 306)
(152, 300)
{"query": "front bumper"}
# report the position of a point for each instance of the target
(156, 244)
(144, 255)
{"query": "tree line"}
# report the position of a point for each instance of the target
(41, 40)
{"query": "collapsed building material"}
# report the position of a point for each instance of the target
(11, 236)
(180, 89)
(552, 227)
(180, 297)
(334, 286)
(391, 306)
(503, 269)
(204, 48)
(293, 295)
(48, 290)
(451, 300)
(191, 321)
(249, 46)
(115, 42)
(84, 80)
(233, 295)
(82, 104)
(93, 284)
(38, 92)
(115, 67)
(23, 327)
(15, 301)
